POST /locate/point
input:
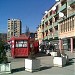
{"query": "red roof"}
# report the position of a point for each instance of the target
(22, 37)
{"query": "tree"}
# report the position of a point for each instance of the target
(3, 57)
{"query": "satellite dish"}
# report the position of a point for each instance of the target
(54, 8)
(46, 12)
(61, 14)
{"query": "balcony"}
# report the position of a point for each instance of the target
(55, 34)
(46, 28)
(42, 30)
(46, 20)
(50, 17)
(50, 26)
(71, 14)
(46, 37)
(50, 36)
(42, 23)
(71, 2)
(56, 23)
(62, 8)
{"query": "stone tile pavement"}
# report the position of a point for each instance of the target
(47, 67)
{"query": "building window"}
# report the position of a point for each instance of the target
(11, 33)
(8, 33)
(56, 27)
(68, 24)
(51, 30)
(51, 22)
(73, 23)
(60, 28)
(11, 27)
(47, 16)
(50, 12)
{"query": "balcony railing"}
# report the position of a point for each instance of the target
(56, 23)
(50, 17)
(50, 26)
(46, 37)
(46, 28)
(42, 30)
(42, 23)
(62, 7)
(71, 14)
(46, 20)
(50, 36)
(71, 2)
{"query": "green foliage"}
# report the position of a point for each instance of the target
(3, 57)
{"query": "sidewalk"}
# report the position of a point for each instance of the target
(47, 67)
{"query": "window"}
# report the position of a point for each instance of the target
(11, 27)
(22, 43)
(47, 16)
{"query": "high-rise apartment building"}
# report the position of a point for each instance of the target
(14, 28)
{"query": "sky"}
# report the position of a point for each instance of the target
(30, 12)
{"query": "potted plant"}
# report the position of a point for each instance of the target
(32, 63)
(4, 64)
(61, 60)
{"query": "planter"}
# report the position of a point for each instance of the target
(5, 68)
(67, 58)
(53, 54)
(32, 65)
(59, 61)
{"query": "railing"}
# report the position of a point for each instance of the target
(49, 26)
(46, 37)
(42, 30)
(62, 7)
(71, 2)
(56, 23)
(50, 35)
(45, 28)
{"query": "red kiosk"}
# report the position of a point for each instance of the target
(20, 46)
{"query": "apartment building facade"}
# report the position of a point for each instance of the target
(58, 23)
(14, 28)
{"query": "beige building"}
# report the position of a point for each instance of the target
(14, 28)
(59, 23)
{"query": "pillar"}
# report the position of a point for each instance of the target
(61, 46)
(71, 40)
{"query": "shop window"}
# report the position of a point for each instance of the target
(21, 43)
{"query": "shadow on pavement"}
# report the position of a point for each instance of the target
(44, 68)
(18, 69)
(41, 54)
(70, 62)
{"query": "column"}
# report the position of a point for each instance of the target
(61, 46)
(71, 41)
